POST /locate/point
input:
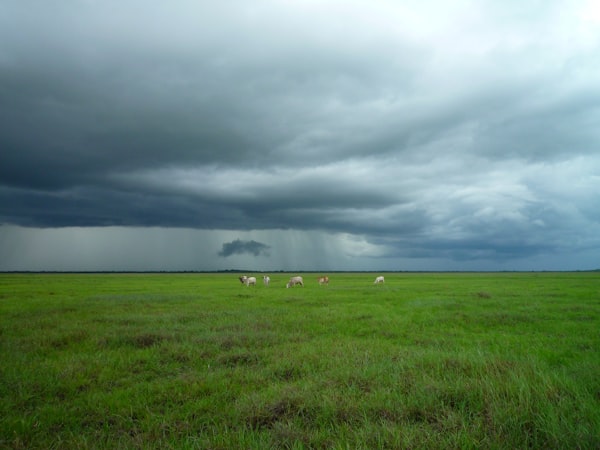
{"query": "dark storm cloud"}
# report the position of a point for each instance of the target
(239, 247)
(468, 133)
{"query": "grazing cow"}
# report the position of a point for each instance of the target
(294, 281)
(250, 281)
(243, 279)
(324, 280)
(266, 280)
(379, 279)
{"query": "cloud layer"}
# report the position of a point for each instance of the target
(240, 247)
(468, 134)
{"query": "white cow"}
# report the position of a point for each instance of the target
(294, 281)
(250, 281)
(379, 279)
(324, 280)
(266, 279)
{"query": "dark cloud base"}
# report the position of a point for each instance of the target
(239, 247)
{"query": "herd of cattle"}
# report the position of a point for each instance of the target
(294, 281)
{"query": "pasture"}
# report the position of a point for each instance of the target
(155, 361)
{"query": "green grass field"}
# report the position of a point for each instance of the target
(460, 360)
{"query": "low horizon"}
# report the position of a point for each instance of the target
(240, 271)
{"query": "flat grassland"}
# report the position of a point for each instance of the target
(438, 360)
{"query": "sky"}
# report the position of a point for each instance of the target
(299, 135)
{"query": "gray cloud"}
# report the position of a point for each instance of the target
(468, 134)
(238, 247)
